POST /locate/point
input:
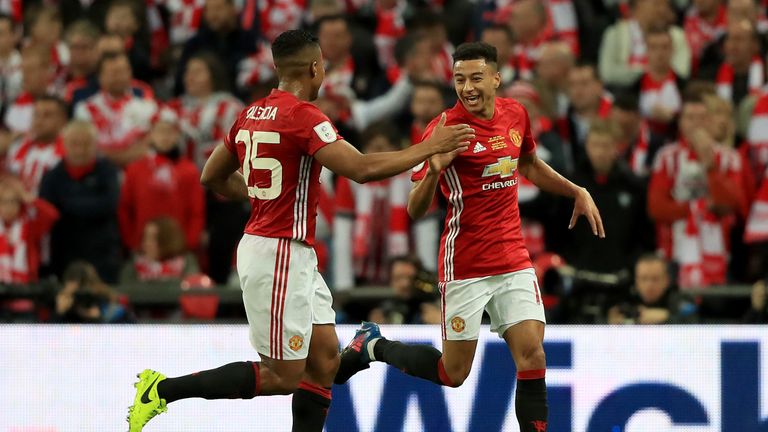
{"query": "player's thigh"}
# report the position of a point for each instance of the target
(516, 298)
(277, 285)
(463, 303)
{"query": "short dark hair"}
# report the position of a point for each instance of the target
(219, 80)
(6, 17)
(659, 29)
(586, 64)
(502, 28)
(434, 85)
(476, 51)
(109, 56)
(425, 19)
(653, 257)
(291, 42)
(385, 129)
(330, 18)
(695, 90)
(404, 46)
(60, 103)
(408, 259)
(626, 101)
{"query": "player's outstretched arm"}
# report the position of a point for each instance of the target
(343, 159)
(221, 176)
(549, 180)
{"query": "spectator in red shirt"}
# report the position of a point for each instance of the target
(162, 255)
(24, 221)
(163, 183)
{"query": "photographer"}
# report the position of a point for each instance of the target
(86, 299)
(415, 295)
(652, 300)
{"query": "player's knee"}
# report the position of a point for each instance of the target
(324, 369)
(458, 373)
(287, 383)
(532, 357)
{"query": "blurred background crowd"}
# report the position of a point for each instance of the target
(110, 108)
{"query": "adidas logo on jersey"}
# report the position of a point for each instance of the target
(478, 148)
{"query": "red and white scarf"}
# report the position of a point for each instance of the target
(381, 224)
(663, 93)
(637, 55)
(120, 121)
(151, 270)
(30, 160)
(256, 68)
(276, 16)
(390, 26)
(701, 33)
(18, 117)
(338, 79)
(698, 243)
(638, 153)
(562, 20)
(442, 63)
(726, 75)
(20, 242)
(757, 136)
(14, 262)
(526, 56)
(185, 18)
(757, 222)
(14, 8)
(205, 124)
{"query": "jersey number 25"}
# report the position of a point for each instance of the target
(252, 161)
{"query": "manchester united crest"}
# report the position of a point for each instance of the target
(515, 136)
(296, 342)
(458, 324)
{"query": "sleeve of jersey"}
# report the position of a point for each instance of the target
(529, 143)
(229, 140)
(319, 128)
(420, 171)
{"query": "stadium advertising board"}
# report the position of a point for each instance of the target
(600, 379)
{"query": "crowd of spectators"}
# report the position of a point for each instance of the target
(659, 107)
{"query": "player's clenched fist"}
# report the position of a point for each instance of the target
(449, 138)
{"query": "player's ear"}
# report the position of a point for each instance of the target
(496, 79)
(313, 69)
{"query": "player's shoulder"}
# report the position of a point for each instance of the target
(510, 105)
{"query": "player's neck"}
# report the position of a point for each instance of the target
(487, 112)
(295, 88)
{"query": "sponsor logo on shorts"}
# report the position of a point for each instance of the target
(458, 324)
(296, 342)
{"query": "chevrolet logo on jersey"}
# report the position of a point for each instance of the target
(505, 167)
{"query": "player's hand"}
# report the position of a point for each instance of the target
(441, 161)
(446, 139)
(584, 205)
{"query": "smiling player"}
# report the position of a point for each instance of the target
(483, 263)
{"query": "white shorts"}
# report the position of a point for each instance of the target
(284, 295)
(508, 298)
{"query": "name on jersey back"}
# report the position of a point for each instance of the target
(261, 113)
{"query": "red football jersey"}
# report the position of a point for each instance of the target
(482, 235)
(274, 139)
